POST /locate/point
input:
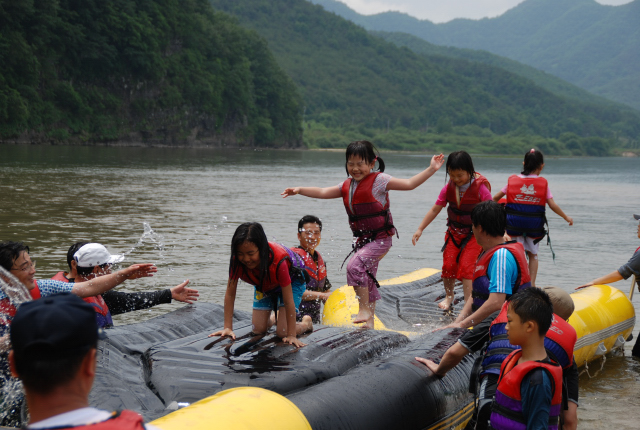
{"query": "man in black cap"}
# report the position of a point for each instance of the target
(54, 354)
(631, 267)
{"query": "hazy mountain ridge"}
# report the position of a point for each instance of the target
(594, 46)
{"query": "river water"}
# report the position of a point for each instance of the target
(178, 208)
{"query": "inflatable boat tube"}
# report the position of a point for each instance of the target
(603, 318)
(345, 378)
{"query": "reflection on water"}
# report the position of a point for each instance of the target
(178, 208)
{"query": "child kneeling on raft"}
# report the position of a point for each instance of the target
(276, 274)
(529, 392)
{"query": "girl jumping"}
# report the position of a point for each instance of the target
(366, 199)
(527, 197)
(276, 274)
(465, 189)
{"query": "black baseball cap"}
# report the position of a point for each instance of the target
(61, 325)
(636, 216)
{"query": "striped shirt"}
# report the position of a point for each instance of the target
(502, 272)
(49, 287)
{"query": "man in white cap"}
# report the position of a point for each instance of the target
(90, 260)
(631, 267)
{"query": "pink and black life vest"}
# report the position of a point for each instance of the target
(480, 292)
(459, 214)
(559, 343)
(368, 218)
(526, 205)
(506, 412)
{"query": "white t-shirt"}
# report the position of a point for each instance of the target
(78, 417)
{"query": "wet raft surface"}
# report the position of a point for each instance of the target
(344, 378)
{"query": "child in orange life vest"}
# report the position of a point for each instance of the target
(318, 285)
(529, 391)
(463, 192)
(366, 200)
(278, 280)
(527, 197)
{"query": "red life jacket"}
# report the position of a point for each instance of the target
(506, 412)
(281, 255)
(559, 342)
(526, 205)
(103, 314)
(8, 310)
(124, 420)
(459, 215)
(480, 292)
(317, 271)
(368, 219)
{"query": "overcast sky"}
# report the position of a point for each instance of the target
(444, 10)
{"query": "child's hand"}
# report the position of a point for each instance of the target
(437, 161)
(430, 364)
(584, 286)
(569, 220)
(292, 340)
(416, 237)
(227, 332)
(290, 192)
(324, 296)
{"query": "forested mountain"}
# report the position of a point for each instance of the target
(167, 71)
(581, 41)
(350, 78)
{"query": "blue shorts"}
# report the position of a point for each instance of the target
(265, 303)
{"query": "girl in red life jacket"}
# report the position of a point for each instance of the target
(366, 200)
(527, 197)
(465, 189)
(278, 284)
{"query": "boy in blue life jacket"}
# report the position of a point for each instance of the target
(529, 392)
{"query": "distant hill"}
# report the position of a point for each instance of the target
(349, 77)
(156, 71)
(593, 46)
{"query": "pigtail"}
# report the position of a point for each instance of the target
(533, 160)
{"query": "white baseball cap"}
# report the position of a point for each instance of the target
(94, 254)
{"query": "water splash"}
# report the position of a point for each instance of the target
(11, 393)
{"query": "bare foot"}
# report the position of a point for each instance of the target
(363, 316)
(445, 305)
(368, 323)
(305, 326)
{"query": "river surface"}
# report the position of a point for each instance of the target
(178, 208)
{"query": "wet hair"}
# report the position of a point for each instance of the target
(251, 232)
(10, 252)
(491, 216)
(460, 160)
(365, 150)
(533, 160)
(41, 373)
(307, 219)
(533, 304)
(72, 251)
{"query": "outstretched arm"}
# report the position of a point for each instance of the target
(498, 196)
(104, 283)
(554, 207)
(229, 304)
(430, 216)
(409, 184)
(614, 276)
(450, 359)
(315, 192)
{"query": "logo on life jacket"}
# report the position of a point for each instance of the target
(528, 190)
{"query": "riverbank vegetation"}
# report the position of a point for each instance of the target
(352, 81)
(161, 71)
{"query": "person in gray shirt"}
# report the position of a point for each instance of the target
(631, 267)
